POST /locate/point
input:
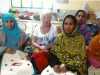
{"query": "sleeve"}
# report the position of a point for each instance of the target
(82, 49)
(22, 39)
(34, 32)
(57, 46)
(2, 38)
(54, 34)
(54, 53)
(55, 31)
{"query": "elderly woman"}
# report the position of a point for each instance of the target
(70, 46)
(43, 39)
(44, 34)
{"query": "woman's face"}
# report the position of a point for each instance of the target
(10, 24)
(81, 18)
(47, 21)
(69, 25)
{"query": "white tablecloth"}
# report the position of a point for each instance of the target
(16, 64)
(49, 71)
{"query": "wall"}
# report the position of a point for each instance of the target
(94, 5)
(72, 5)
(4, 6)
(78, 4)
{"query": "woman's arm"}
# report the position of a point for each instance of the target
(22, 39)
(36, 45)
(2, 38)
(82, 49)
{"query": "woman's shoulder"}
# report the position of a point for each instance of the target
(60, 35)
(97, 36)
(96, 39)
(80, 37)
(79, 34)
(53, 29)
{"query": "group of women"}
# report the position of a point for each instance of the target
(77, 46)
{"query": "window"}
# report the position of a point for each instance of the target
(37, 4)
(21, 3)
(48, 4)
(27, 3)
(62, 1)
(16, 3)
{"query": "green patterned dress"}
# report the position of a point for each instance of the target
(70, 50)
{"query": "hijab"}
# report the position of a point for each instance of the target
(12, 35)
(75, 31)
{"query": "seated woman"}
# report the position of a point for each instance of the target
(86, 26)
(94, 55)
(70, 47)
(10, 32)
(14, 61)
(44, 34)
(43, 39)
(14, 37)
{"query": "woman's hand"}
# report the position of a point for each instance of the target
(43, 48)
(56, 68)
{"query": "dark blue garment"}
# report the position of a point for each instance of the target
(93, 28)
(88, 31)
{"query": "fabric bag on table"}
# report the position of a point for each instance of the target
(16, 64)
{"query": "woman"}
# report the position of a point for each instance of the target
(14, 37)
(94, 55)
(43, 39)
(87, 30)
(12, 56)
(45, 34)
(70, 46)
(12, 34)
